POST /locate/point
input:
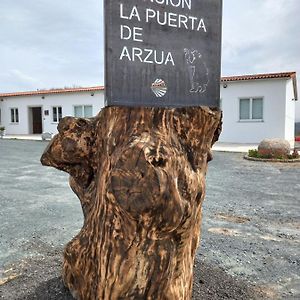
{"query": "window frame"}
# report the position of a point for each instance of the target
(16, 120)
(82, 107)
(250, 109)
(57, 114)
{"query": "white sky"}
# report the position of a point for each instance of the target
(57, 43)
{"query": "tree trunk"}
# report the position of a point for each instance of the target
(140, 176)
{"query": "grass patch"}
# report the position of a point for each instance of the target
(254, 153)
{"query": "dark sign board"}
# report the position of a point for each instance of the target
(163, 52)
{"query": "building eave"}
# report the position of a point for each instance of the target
(51, 92)
(282, 75)
(224, 79)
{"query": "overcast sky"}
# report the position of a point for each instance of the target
(57, 43)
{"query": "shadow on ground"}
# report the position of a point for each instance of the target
(41, 280)
(53, 289)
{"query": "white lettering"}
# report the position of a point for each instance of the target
(122, 32)
(175, 3)
(137, 52)
(193, 19)
(201, 26)
(135, 13)
(183, 20)
(122, 12)
(146, 59)
(161, 60)
(159, 21)
(170, 59)
(187, 3)
(150, 13)
(175, 20)
(147, 56)
(125, 53)
(126, 33)
(172, 18)
(137, 32)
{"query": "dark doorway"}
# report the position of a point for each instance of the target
(37, 126)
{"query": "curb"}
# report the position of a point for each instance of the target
(294, 160)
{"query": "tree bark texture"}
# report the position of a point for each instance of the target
(140, 176)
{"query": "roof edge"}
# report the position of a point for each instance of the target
(258, 76)
(54, 91)
(281, 75)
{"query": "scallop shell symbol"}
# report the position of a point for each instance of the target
(159, 88)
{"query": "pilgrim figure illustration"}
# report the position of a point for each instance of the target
(198, 72)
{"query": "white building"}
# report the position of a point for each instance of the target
(254, 107)
(40, 111)
(258, 106)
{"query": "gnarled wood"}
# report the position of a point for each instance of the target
(140, 176)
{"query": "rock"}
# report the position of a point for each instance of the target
(47, 136)
(274, 148)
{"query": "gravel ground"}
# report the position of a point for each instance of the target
(40, 280)
(250, 234)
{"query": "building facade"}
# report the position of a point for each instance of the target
(254, 107)
(40, 111)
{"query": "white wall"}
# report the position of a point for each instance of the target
(1, 114)
(290, 112)
(65, 100)
(298, 111)
(273, 92)
(278, 120)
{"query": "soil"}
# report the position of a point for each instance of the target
(250, 241)
(40, 279)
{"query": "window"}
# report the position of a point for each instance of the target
(83, 111)
(14, 115)
(56, 114)
(251, 109)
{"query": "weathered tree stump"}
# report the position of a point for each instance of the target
(140, 176)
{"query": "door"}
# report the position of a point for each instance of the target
(37, 126)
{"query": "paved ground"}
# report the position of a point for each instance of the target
(250, 241)
(224, 147)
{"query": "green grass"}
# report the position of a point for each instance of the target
(254, 153)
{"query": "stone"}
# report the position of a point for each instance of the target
(139, 174)
(47, 136)
(273, 148)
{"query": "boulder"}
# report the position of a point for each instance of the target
(274, 148)
(47, 136)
